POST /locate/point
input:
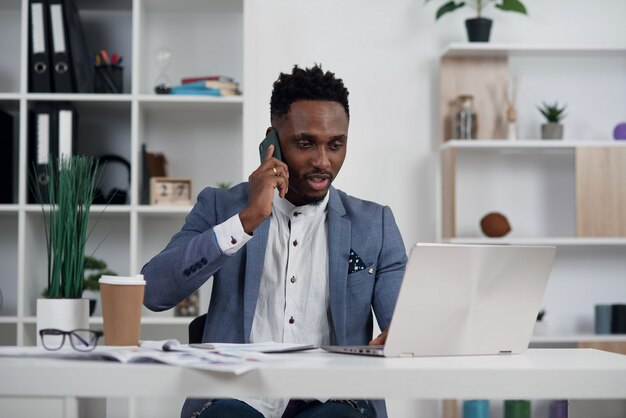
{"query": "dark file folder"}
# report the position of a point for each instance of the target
(43, 144)
(62, 72)
(39, 79)
(80, 59)
(66, 123)
(7, 160)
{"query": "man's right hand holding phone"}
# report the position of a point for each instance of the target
(271, 174)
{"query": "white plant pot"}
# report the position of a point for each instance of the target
(63, 314)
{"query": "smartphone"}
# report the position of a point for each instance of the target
(270, 139)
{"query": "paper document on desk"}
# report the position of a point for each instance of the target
(268, 347)
(235, 363)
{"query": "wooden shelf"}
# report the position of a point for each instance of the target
(9, 208)
(538, 144)
(562, 339)
(94, 209)
(559, 241)
(506, 49)
(183, 98)
(78, 97)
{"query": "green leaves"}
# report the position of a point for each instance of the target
(553, 113)
(512, 6)
(479, 5)
(66, 215)
(448, 7)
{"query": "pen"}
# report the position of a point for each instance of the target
(206, 346)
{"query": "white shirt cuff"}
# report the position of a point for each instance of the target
(230, 235)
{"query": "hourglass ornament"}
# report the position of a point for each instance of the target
(163, 58)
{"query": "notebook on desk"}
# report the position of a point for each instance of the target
(465, 300)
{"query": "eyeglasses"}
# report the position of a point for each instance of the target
(80, 339)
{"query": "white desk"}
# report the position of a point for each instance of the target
(538, 374)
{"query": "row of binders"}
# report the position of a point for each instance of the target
(59, 60)
(52, 133)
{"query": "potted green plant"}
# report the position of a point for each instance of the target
(479, 28)
(94, 269)
(554, 114)
(65, 208)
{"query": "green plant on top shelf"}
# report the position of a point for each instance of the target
(504, 5)
(554, 113)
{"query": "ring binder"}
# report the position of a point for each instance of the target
(62, 73)
(79, 58)
(41, 146)
(39, 47)
(7, 161)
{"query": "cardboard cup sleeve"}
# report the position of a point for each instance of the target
(122, 299)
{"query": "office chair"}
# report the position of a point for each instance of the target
(196, 329)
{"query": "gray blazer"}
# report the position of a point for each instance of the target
(193, 256)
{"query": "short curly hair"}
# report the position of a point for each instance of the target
(306, 84)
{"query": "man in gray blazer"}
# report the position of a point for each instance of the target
(292, 258)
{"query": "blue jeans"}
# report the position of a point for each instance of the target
(232, 408)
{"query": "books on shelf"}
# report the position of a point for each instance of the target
(222, 78)
(210, 86)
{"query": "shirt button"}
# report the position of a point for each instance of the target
(293, 279)
(295, 243)
(296, 213)
(291, 320)
(370, 271)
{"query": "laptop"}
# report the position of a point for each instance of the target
(458, 300)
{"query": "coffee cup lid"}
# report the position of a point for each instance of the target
(123, 280)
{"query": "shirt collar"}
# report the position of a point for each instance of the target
(290, 210)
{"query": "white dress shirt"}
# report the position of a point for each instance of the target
(293, 301)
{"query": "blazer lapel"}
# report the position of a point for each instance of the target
(255, 258)
(339, 231)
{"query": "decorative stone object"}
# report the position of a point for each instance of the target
(495, 225)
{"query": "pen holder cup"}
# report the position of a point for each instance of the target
(109, 79)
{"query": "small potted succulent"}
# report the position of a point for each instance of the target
(479, 28)
(554, 114)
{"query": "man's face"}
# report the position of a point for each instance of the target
(313, 140)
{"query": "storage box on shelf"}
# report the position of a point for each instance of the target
(566, 193)
(196, 133)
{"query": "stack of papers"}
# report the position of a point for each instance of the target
(231, 358)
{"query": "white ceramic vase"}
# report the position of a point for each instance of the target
(63, 314)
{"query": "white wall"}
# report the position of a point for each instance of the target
(387, 53)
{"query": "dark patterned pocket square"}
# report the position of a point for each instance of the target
(355, 263)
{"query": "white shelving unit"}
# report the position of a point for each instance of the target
(195, 133)
(531, 181)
